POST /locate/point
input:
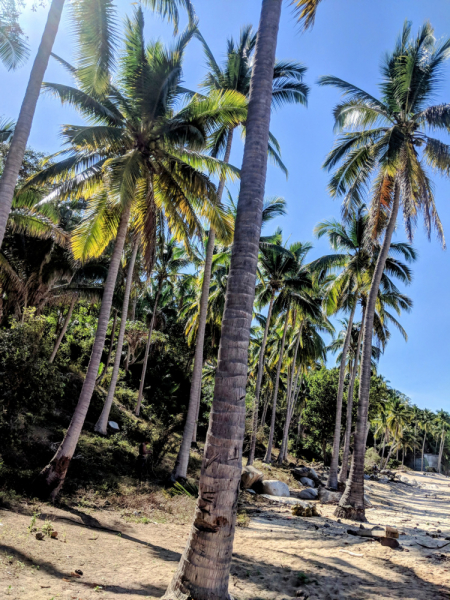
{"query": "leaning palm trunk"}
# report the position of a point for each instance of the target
(190, 428)
(251, 457)
(24, 122)
(290, 398)
(147, 350)
(111, 345)
(348, 428)
(264, 412)
(52, 477)
(333, 474)
(268, 456)
(204, 568)
(64, 329)
(102, 424)
(351, 504)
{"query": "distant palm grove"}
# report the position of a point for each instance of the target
(143, 299)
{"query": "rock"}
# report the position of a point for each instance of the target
(367, 477)
(54, 535)
(249, 477)
(273, 487)
(39, 535)
(390, 542)
(300, 472)
(303, 509)
(309, 494)
(302, 594)
(307, 482)
(114, 426)
(329, 497)
(383, 480)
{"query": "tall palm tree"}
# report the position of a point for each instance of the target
(171, 259)
(356, 259)
(382, 145)
(235, 76)
(137, 158)
(443, 425)
(95, 22)
(398, 415)
(213, 528)
(426, 425)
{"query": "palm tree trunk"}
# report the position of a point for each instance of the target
(111, 345)
(64, 329)
(268, 457)
(351, 505)
(384, 446)
(403, 456)
(332, 482)
(290, 396)
(284, 448)
(389, 454)
(262, 352)
(414, 447)
(441, 450)
(147, 350)
(102, 424)
(22, 129)
(52, 477)
(265, 407)
(190, 428)
(204, 568)
(423, 449)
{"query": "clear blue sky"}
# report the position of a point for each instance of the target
(348, 40)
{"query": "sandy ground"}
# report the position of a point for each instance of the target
(269, 554)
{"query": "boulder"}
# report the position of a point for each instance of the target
(329, 497)
(307, 482)
(309, 494)
(303, 509)
(249, 477)
(273, 487)
(299, 472)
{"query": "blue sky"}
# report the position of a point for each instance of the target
(348, 40)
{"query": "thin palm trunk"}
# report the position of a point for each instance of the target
(265, 407)
(102, 424)
(384, 446)
(290, 396)
(414, 447)
(441, 449)
(423, 450)
(262, 352)
(351, 504)
(284, 448)
(204, 569)
(52, 477)
(268, 456)
(111, 345)
(64, 328)
(24, 122)
(332, 481)
(190, 428)
(147, 350)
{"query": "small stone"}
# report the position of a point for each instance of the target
(39, 535)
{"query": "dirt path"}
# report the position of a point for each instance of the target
(275, 556)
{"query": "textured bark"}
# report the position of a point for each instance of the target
(111, 345)
(24, 122)
(64, 329)
(268, 456)
(287, 426)
(52, 477)
(351, 505)
(102, 424)
(204, 569)
(348, 428)
(251, 457)
(147, 350)
(332, 481)
(190, 428)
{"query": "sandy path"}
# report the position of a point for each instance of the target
(269, 554)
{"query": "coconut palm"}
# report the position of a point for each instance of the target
(356, 260)
(138, 158)
(443, 426)
(13, 45)
(212, 532)
(95, 23)
(171, 259)
(398, 416)
(235, 76)
(382, 145)
(426, 425)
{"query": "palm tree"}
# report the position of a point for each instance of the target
(13, 45)
(357, 260)
(212, 532)
(138, 158)
(95, 22)
(426, 425)
(235, 77)
(170, 261)
(443, 424)
(398, 415)
(388, 155)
